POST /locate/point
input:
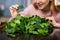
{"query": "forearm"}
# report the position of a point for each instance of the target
(11, 18)
(57, 25)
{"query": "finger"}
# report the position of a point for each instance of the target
(17, 5)
(12, 11)
(14, 6)
(51, 23)
(50, 20)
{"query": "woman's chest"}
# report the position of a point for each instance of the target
(36, 12)
(56, 15)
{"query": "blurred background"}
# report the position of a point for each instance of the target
(5, 4)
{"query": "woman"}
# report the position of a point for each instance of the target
(35, 8)
(40, 8)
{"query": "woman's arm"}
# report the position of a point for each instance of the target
(57, 25)
(53, 22)
(14, 11)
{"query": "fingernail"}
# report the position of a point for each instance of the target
(50, 20)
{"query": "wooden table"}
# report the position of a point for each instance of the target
(3, 19)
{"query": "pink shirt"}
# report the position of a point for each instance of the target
(30, 10)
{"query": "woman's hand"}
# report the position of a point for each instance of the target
(51, 20)
(13, 10)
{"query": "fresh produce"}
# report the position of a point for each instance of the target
(20, 7)
(27, 25)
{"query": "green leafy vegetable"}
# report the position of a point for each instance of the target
(27, 25)
(20, 7)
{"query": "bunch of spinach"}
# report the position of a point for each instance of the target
(27, 25)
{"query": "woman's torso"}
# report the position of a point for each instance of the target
(42, 14)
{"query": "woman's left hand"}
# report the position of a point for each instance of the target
(51, 20)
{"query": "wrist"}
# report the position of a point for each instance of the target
(11, 19)
(57, 25)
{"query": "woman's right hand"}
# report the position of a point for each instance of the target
(13, 10)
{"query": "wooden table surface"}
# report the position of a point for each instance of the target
(4, 19)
